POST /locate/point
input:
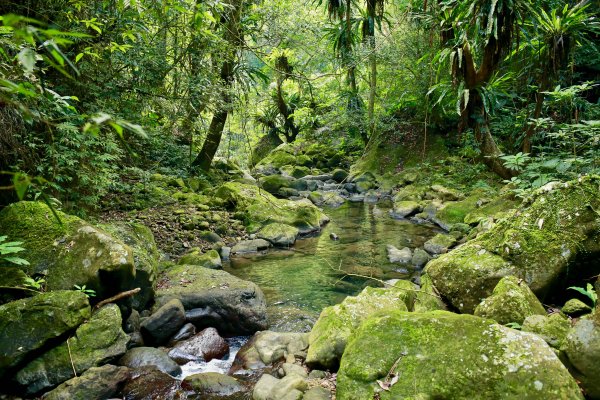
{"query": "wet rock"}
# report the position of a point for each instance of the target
(439, 244)
(163, 323)
(582, 351)
(95, 383)
(267, 347)
(350, 187)
(446, 355)
(420, 257)
(43, 317)
(552, 328)
(511, 301)
(403, 256)
(181, 357)
(206, 344)
(150, 356)
(235, 306)
(336, 324)
(213, 386)
(185, 332)
(575, 308)
(148, 383)
(96, 342)
(279, 234)
(69, 253)
(210, 259)
(405, 208)
(250, 246)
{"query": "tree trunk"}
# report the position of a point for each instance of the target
(232, 34)
(373, 74)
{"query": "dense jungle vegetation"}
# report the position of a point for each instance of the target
(97, 95)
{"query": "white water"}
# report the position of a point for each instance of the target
(221, 366)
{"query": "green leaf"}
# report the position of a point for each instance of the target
(16, 260)
(26, 58)
(21, 183)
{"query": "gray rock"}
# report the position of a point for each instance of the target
(271, 388)
(439, 244)
(225, 252)
(317, 374)
(267, 347)
(212, 385)
(181, 357)
(582, 350)
(403, 256)
(149, 356)
(206, 344)
(371, 196)
(135, 340)
(405, 208)
(164, 323)
(339, 175)
(420, 257)
(185, 332)
(279, 234)
(95, 383)
(289, 368)
(250, 246)
(132, 324)
(317, 393)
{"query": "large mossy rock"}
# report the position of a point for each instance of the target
(581, 349)
(336, 324)
(279, 234)
(145, 255)
(552, 328)
(232, 305)
(95, 343)
(95, 383)
(511, 301)
(27, 325)
(441, 355)
(537, 243)
(273, 183)
(281, 156)
(260, 208)
(69, 252)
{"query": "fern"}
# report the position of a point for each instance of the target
(8, 249)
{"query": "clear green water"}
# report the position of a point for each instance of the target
(298, 283)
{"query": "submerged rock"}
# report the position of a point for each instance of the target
(27, 325)
(95, 383)
(449, 356)
(537, 243)
(511, 301)
(96, 342)
(70, 252)
(148, 383)
(403, 256)
(336, 324)
(232, 305)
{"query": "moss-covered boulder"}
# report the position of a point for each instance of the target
(213, 386)
(552, 328)
(145, 256)
(336, 324)
(70, 251)
(441, 355)
(265, 145)
(273, 183)
(279, 234)
(454, 212)
(496, 208)
(581, 349)
(440, 243)
(211, 259)
(511, 301)
(295, 171)
(95, 343)
(215, 298)
(281, 156)
(427, 299)
(405, 208)
(27, 325)
(260, 208)
(538, 243)
(268, 347)
(95, 383)
(575, 308)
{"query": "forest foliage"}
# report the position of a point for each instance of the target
(95, 94)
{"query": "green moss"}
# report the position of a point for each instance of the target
(335, 325)
(552, 328)
(496, 208)
(278, 158)
(456, 211)
(441, 355)
(427, 299)
(210, 259)
(511, 301)
(273, 183)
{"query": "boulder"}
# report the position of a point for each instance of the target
(279, 234)
(95, 383)
(409, 193)
(145, 256)
(185, 332)
(552, 328)
(405, 208)
(443, 355)
(206, 344)
(70, 252)
(427, 299)
(439, 244)
(260, 208)
(149, 356)
(212, 385)
(420, 257)
(250, 246)
(339, 175)
(336, 324)
(267, 347)
(538, 243)
(27, 325)
(278, 158)
(454, 212)
(575, 308)
(446, 194)
(95, 343)
(317, 393)
(234, 306)
(271, 388)
(511, 301)
(163, 323)
(210, 259)
(403, 256)
(581, 349)
(273, 183)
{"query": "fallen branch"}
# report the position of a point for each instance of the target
(116, 297)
